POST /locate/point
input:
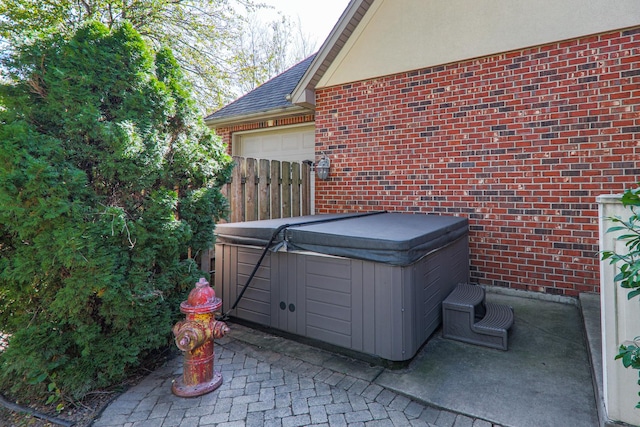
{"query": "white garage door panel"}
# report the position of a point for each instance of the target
(290, 144)
(309, 141)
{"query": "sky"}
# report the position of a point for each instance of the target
(317, 16)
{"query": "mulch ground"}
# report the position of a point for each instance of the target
(80, 414)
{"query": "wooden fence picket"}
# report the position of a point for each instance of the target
(265, 189)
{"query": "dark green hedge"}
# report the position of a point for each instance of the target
(107, 177)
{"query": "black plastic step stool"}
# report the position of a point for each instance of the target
(467, 317)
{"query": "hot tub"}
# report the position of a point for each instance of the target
(372, 284)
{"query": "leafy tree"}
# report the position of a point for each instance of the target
(197, 31)
(108, 180)
(266, 49)
(203, 34)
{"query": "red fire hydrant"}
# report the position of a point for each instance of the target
(194, 337)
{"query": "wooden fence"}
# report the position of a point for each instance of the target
(265, 189)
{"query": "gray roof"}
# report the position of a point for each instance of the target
(270, 97)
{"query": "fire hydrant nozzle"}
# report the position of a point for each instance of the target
(220, 329)
(189, 335)
(194, 337)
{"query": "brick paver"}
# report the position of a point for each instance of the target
(264, 388)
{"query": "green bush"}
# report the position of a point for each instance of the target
(108, 179)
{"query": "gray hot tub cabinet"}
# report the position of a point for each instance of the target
(372, 284)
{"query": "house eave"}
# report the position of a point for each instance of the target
(273, 114)
(304, 92)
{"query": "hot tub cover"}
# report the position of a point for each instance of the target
(392, 238)
(259, 232)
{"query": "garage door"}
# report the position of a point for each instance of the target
(295, 144)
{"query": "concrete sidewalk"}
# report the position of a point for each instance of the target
(544, 379)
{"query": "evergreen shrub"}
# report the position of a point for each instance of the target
(108, 180)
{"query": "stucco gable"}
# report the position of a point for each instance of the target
(383, 37)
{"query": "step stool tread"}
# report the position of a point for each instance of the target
(498, 317)
(466, 295)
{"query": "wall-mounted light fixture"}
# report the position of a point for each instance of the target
(322, 167)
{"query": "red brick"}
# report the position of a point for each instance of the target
(485, 147)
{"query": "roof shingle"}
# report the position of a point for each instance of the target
(266, 97)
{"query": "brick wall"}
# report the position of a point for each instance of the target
(520, 143)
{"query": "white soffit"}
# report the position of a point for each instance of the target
(402, 35)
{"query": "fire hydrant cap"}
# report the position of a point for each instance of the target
(202, 299)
